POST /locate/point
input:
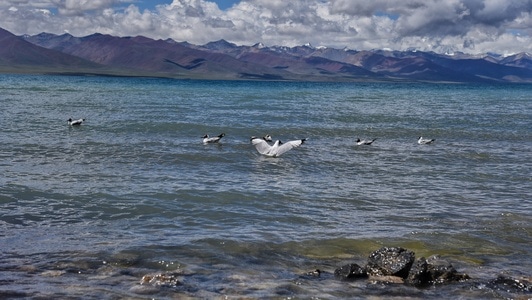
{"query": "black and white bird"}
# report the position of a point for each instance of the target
(211, 140)
(423, 141)
(275, 150)
(75, 122)
(365, 142)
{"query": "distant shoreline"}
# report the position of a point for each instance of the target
(17, 71)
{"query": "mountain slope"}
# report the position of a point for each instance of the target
(161, 58)
(141, 56)
(16, 53)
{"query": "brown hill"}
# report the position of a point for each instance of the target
(141, 56)
(157, 57)
(19, 55)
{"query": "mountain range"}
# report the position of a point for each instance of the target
(100, 54)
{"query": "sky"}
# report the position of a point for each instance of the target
(443, 26)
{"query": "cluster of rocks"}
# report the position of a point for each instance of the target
(399, 265)
(385, 265)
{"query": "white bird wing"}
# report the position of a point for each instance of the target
(214, 139)
(261, 145)
(279, 150)
(425, 141)
(77, 122)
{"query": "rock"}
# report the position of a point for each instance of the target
(386, 279)
(433, 270)
(441, 271)
(167, 279)
(510, 285)
(390, 261)
(350, 272)
(419, 274)
(398, 265)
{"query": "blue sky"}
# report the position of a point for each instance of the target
(224, 4)
(443, 26)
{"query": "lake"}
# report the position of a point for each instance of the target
(89, 211)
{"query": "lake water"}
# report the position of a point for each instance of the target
(86, 212)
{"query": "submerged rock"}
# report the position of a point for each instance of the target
(390, 261)
(510, 285)
(350, 272)
(167, 279)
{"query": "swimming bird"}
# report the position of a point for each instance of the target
(275, 150)
(75, 122)
(365, 142)
(211, 140)
(423, 141)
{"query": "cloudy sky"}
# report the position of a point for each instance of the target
(472, 26)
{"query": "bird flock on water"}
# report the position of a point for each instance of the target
(263, 144)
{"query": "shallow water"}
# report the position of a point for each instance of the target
(88, 211)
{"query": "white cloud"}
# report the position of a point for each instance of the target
(457, 25)
(85, 5)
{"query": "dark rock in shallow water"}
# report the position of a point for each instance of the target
(350, 272)
(510, 285)
(441, 271)
(433, 270)
(398, 265)
(419, 274)
(394, 261)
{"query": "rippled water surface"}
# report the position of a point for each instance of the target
(86, 212)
